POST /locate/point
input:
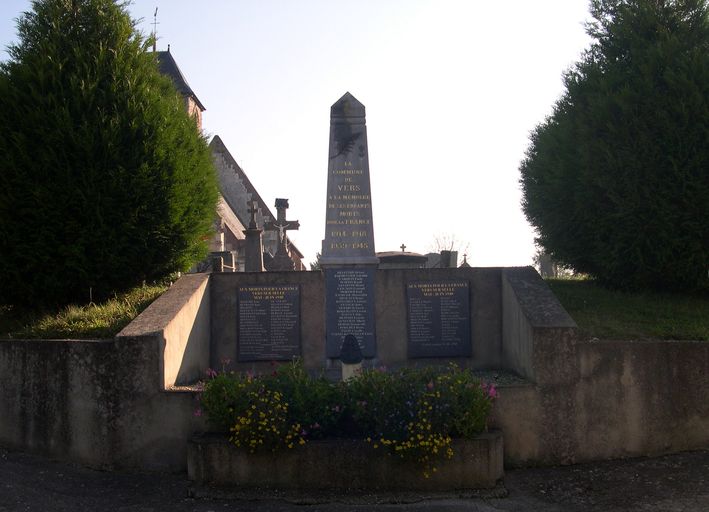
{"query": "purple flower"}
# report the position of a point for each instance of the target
(211, 373)
(198, 411)
(492, 392)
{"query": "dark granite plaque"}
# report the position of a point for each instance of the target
(350, 309)
(439, 319)
(268, 323)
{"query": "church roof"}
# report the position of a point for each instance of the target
(239, 207)
(168, 66)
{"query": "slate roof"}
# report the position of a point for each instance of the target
(168, 66)
(218, 146)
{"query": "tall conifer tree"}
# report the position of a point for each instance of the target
(105, 181)
(616, 180)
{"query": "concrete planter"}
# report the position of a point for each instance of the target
(342, 464)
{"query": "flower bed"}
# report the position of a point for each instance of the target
(404, 421)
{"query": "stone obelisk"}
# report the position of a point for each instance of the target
(349, 232)
(348, 258)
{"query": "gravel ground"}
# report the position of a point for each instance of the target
(677, 482)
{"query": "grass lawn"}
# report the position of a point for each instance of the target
(619, 315)
(102, 320)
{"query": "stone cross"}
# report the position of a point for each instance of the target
(281, 260)
(403, 248)
(253, 210)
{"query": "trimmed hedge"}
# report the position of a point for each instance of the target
(105, 180)
(616, 180)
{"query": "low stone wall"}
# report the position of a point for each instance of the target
(632, 398)
(591, 400)
(180, 319)
(343, 465)
(101, 402)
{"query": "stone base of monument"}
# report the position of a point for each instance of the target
(346, 465)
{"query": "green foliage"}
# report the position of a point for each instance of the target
(94, 320)
(415, 413)
(314, 402)
(412, 413)
(265, 423)
(104, 179)
(615, 181)
(624, 315)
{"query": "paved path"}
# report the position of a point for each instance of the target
(671, 483)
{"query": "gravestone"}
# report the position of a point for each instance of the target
(438, 319)
(282, 260)
(254, 243)
(348, 258)
(268, 323)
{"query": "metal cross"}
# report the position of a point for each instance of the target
(403, 248)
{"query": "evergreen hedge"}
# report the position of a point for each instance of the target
(105, 181)
(616, 180)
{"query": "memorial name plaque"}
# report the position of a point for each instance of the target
(268, 323)
(439, 319)
(350, 300)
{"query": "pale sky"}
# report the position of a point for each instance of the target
(452, 89)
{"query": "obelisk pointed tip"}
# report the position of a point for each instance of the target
(347, 106)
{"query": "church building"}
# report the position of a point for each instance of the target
(237, 195)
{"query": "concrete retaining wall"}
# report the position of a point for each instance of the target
(591, 400)
(180, 319)
(101, 402)
(345, 465)
(104, 402)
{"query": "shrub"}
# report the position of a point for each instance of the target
(411, 413)
(615, 181)
(105, 181)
